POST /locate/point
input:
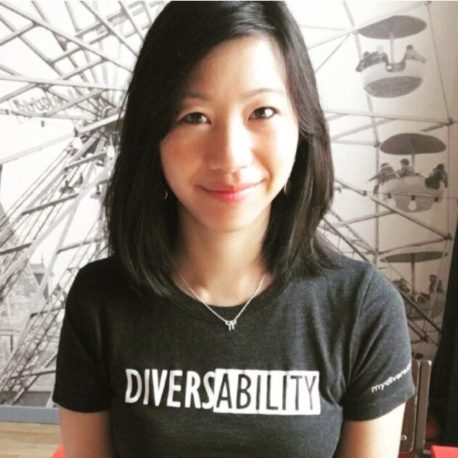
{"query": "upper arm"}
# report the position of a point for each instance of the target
(86, 435)
(377, 438)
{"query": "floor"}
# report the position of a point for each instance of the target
(28, 440)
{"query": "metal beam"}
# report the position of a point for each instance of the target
(322, 27)
(355, 28)
(72, 103)
(336, 232)
(359, 129)
(33, 374)
(51, 203)
(38, 240)
(97, 124)
(33, 114)
(44, 59)
(147, 11)
(125, 8)
(333, 117)
(81, 44)
(364, 218)
(345, 185)
(364, 243)
(416, 244)
(72, 246)
(58, 82)
(62, 43)
(113, 16)
(86, 159)
(36, 148)
(109, 27)
(14, 249)
(355, 142)
(85, 53)
(42, 56)
(371, 114)
(16, 33)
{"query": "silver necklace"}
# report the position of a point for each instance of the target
(229, 323)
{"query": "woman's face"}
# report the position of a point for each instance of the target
(233, 145)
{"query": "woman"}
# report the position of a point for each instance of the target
(223, 176)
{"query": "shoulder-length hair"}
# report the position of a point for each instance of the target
(141, 224)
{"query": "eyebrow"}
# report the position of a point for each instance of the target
(245, 95)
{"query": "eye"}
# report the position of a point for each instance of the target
(194, 118)
(263, 113)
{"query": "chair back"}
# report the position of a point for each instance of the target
(415, 415)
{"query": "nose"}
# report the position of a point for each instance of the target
(230, 147)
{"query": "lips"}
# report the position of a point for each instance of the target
(230, 188)
(230, 193)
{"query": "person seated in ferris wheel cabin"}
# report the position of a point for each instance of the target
(436, 177)
(406, 169)
(373, 58)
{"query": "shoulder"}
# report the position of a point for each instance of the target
(372, 284)
(100, 299)
(359, 272)
(100, 274)
(353, 282)
(361, 287)
(104, 266)
(96, 283)
(348, 273)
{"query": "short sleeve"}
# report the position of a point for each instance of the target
(81, 382)
(381, 356)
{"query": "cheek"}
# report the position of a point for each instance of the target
(170, 160)
(285, 145)
(178, 162)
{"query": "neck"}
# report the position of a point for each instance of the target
(223, 268)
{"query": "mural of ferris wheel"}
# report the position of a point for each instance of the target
(64, 70)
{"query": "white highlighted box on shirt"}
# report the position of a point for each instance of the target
(237, 391)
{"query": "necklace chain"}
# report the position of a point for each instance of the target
(229, 323)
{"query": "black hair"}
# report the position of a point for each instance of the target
(141, 224)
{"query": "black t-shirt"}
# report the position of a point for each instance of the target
(301, 359)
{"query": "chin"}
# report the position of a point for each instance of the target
(229, 228)
(231, 224)
(224, 221)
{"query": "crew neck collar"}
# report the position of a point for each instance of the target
(191, 305)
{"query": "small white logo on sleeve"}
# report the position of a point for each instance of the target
(391, 379)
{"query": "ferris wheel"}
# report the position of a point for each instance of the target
(64, 71)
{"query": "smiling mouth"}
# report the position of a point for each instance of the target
(231, 194)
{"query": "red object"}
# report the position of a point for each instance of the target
(438, 451)
(432, 433)
(59, 453)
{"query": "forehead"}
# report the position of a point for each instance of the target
(246, 62)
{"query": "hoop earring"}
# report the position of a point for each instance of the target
(286, 188)
(163, 186)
